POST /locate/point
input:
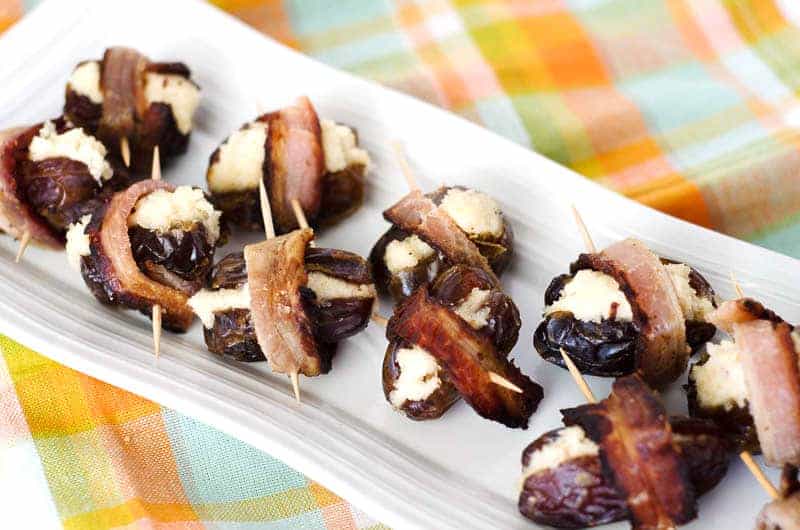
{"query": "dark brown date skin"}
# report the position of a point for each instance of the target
(576, 493)
(497, 250)
(334, 320)
(607, 348)
(179, 258)
(735, 423)
(429, 408)
(503, 323)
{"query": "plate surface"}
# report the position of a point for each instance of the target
(460, 471)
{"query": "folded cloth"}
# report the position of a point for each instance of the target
(687, 106)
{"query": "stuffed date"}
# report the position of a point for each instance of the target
(125, 95)
(456, 226)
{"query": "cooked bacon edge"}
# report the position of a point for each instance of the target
(121, 80)
(663, 355)
(639, 453)
(733, 312)
(468, 357)
(275, 274)
(296, 162)
(783, 513)
(417, 214)
(16, 216)
(111, 248)
(772, 376)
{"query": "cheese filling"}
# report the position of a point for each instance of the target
(694, 307)
(207, 302)
(570, 443)
(85, 81)
(330, 288)
(474, 212)
(473, 308)
(592, 296)
(78, 242)
(73, 144)
(419, 376)
(720, 381)
(179, 93)
(240, 164)
(340, 147)
(406, 254)
(162, 211)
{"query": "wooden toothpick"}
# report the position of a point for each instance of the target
(399, 154)
(578, 377)
(587, 239)
(499, 380)
(155, 174)
(24, 241)
(125, 150)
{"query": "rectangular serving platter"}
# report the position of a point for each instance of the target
(458, 472)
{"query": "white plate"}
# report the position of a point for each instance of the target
(460, 471)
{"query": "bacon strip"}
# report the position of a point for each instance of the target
(639, 453)
(275, 274)
(780, 514)
(732, 312)
(111, 249)
(771, 372)
(664, 355)
(296, 162)
(468, 357)
(122, 80)
(16, 216)
(417, 214)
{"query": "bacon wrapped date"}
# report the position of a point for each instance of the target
(783, 513)
(297, 155)
(639, 453)
(468, 357)
(470, 292)
(563, 483)
(133, 266)
(228, 325)
(625, 309)
(125, 95)
(429, 233)
(42, 189)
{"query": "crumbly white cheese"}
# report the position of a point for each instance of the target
(207, 302)
(163, 210)
(179, 93)
(405, 254)
(73, 144)
(78, 241)
(340, 147)
(589, 296)
(419, 376)
(474, 212)
(473, 308)
(329, 288)
(694, 307)
(570, 443)
(240, 165)
(85, 80)
(720, 381)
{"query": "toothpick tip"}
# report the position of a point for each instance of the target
(24, 241)
(157, 331)
(125, 150)
(155, 171)
(499, 380)
(294, 376)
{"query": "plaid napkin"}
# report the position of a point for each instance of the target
(685, 105)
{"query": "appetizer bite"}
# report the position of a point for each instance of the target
(297, 156)
(335, 290)
(148, 246)
(51, 174)
(133, 105)
(750, 385)
(438, 339)
(625, 309)
(564, 485)
(414, 381)
(432, 232)
(620, 458)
